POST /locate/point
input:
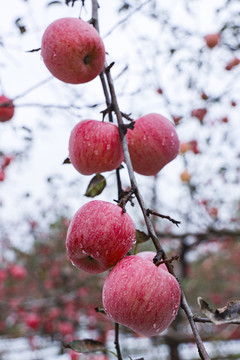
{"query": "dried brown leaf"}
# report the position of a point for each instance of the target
(227, 314)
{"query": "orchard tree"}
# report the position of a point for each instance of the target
(186, 76)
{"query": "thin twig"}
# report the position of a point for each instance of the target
(201, 349)
(206, 320)
(116, 341)
(176, 222)
(33, 88)
(122, 21)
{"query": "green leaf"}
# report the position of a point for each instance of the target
(141, 237)
(86, 346)
(96, 186)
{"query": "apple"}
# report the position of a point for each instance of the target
(141, 296)
(100, 234)
(65, 328)
(6, 108)
(72, 50)
(152, 143)
(17, 271)
(95, 147)
(212, 40)
(33, 321)
(199, 114)
(149, 255)
(2, 175)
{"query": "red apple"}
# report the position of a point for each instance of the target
(212, 39)
(72, 50)
(141, 296)
(6, 108)
(152, 144)
(99, 235)
(33, 321)
(199, 114)
(18, 271)
(65, 328)
(95, 147)
(2, 175)
(149, 255)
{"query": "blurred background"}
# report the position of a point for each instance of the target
(180, 59)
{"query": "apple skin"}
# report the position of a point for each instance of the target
(141, 296)
(99, 235)
(6, 112)
(72, 50)
(149, 255)
(152, 143)
(95, 147)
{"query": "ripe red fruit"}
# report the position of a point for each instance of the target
(99, 235)
(33, 321)
(72, 50)
(2, 175)
(6, 108)
(212, 39)
(95, 147)
(65, 328)
(199, 114)
(152, 144)
(17, 271)
(141, 296)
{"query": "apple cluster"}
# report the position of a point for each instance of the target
(136, 292)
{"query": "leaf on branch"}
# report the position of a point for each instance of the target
(20, 26)
(224, 315)
(67, 161)
(141, 237)
(96, 186)
(86, 346)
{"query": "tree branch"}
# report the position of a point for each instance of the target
(202, 352)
